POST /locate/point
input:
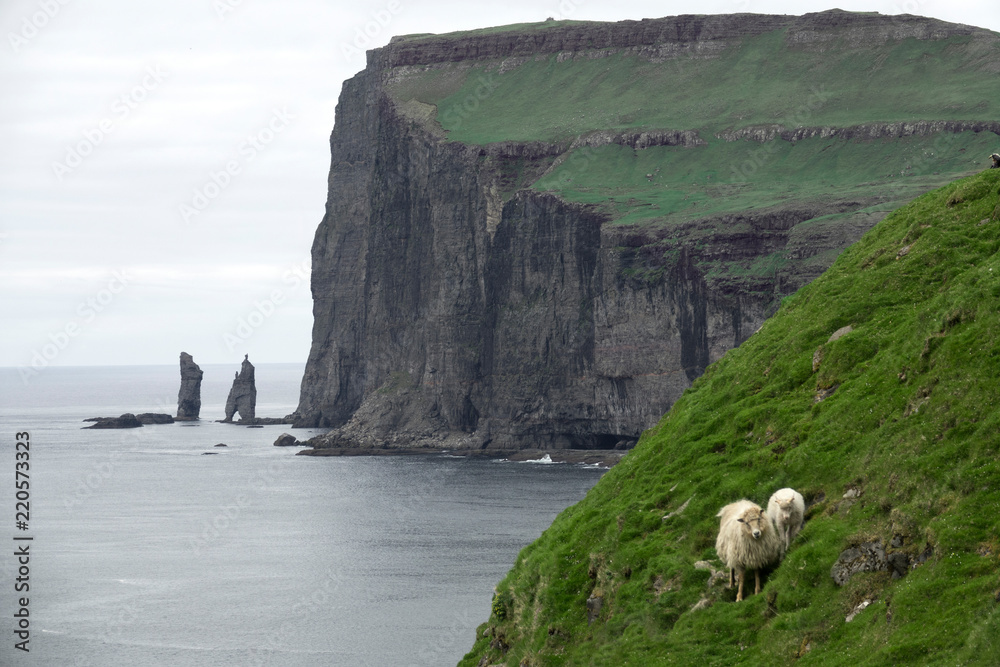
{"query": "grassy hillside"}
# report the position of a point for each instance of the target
(839, 77)
(759, 80)
(891, 432)
(679, 184)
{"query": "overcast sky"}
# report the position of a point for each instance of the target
(164, 164)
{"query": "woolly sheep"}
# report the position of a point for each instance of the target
(786, 508)
(747, 541)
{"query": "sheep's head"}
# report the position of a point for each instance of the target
(754, 522)
(785, 504)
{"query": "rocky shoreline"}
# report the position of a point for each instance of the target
(603, 457)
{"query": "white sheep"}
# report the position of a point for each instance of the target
(787, 508)
(747, 541)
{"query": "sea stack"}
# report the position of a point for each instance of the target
(189, 397)
(243, 395)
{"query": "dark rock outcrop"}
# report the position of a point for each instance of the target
(267, 421)
(154, 418)
(661, 37)
(287, 440)
(867, 557)
(866, 132)
(594, 605)
(127, 420)
(899, 564)
(189, 396)
(243, 394)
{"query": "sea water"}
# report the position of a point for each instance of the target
(153, 546)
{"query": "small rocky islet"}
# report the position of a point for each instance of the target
(242, 400)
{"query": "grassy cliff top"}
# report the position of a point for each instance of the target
(891, 432)
(734, 84)
(859, 69)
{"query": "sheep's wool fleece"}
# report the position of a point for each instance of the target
(737, 549)
(790, 518)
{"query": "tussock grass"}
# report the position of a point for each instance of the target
(912, 424)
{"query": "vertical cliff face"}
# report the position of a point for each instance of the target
(443, 315)
(457, 304)
(399, 289)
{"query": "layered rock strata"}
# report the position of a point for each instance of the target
(456, 307)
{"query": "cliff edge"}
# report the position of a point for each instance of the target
(538, 237)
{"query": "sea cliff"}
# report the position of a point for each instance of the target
(490, 275)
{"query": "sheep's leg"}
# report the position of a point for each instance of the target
(732, 577)
(756, 575)
(739, 592)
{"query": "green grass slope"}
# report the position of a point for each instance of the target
(902, 412)
(680, 184)
(759, 80)
(789, 77)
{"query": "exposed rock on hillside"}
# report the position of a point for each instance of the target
(660, 36)
(865, 132)
(867, 557)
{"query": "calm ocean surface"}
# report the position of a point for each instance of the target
(148, 552)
